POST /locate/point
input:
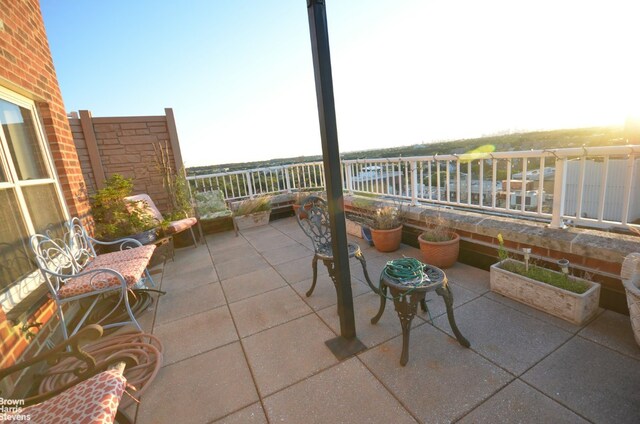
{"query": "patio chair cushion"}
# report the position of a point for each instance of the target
(92, 401)
(181, 225)
(141, 252)
(145, 205)
(211, 205)
(131, 270)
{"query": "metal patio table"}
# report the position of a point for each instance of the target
(407, 294)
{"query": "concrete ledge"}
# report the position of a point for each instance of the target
(599, 254)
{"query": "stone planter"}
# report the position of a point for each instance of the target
(442, 254)
(251, 220)
(572, 307)
(354, 228)
(387, 240)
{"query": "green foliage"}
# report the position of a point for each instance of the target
(547, 276)
(387, 218)
(114, 218)
(437, 230)
(257, 204)
(179, 195)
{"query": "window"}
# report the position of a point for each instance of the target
(30, 196)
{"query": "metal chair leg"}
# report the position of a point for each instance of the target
(314, 265)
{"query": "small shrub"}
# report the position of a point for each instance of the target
(387, 218)
(438, 231)
(249, 206)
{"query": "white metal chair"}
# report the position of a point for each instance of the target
(73, 271)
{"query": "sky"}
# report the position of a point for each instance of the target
(239, 73)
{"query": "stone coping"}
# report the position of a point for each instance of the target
(597, 244)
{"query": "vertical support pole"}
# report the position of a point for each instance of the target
(248, 179)
(347, 344)
(86, 122)
(414, 182)
(559, 180)
(286, 179)
(349, 180)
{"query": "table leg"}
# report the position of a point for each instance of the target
(383, 303)
(406, 307)
(446, 294)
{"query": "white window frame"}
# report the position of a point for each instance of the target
(12, 295)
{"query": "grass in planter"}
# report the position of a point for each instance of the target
(258, 204)
(547, 276)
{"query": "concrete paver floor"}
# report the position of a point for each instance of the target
(245, 345)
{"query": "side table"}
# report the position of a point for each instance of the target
(407, 294)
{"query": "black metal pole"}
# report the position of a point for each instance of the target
(347, 344)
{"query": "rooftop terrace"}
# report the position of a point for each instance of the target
(244, 345)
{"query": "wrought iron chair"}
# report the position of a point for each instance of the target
(73, 272)
(313, 218)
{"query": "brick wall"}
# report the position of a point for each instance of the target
(125, 145)
(26, 67)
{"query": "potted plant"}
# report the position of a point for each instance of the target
(298, 197)
(439, 245)
(386, 229)
(252, 212)
(115, 218)
(557, 293)
(357, 219)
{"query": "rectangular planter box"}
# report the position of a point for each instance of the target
(251, 220)
(572, 307)
(354, 228)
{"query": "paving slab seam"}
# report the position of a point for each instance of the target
(556, 400)
(609, 347)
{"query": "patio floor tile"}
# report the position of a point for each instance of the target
(509, 338)
(235, 253)
(195, 334)
(252, 284)
(436, 304)
(189, 271)
(474, 279)
(526, 309)
(224, 241)
(520, 403)
(614, 331)
(267, 310)
(442, 380)
(325, 292)
(584, 376)
(252, 414)
(179, 304)
(199, 389)
(272, 241)
(299, 270)
(346, 393)
(240, 266)
(280, 255)
(286, 354)
(366, 307)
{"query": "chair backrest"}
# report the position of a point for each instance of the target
(78, 243)
(313, 218)
(210, 204)
(54, 261)
(144, 203)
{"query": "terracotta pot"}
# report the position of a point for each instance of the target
(303, 215)
(442, 254)
(387, 240)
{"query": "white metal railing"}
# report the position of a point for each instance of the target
(590, 186)
(261, 181)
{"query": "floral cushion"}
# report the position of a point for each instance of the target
(106, 259)
(181, 225)
(94, 401)
(131, 270)
(211, 205)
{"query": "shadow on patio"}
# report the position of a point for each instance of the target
(244, 345)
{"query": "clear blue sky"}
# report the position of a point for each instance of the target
(239, 74)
